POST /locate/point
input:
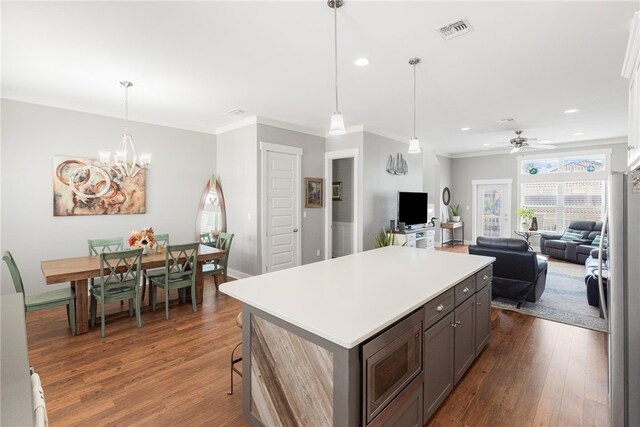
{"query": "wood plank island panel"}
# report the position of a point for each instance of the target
(291, 378)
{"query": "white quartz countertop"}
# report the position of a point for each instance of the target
(349, 299)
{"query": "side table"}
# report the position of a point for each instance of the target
(452, 226)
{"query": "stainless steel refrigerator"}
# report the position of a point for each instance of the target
(623, 311)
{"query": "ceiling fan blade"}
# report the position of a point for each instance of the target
(543, 146)
(515, 150)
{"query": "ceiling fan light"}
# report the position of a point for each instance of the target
(337, 125)
(414, 146)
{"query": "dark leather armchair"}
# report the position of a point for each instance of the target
(573, 250)
(518, 273)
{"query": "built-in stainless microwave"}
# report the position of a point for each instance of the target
(390, 362)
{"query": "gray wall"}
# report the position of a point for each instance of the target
(343, 172)
(182, 162)
(238, 173)
(312, 227)
(380, 188)
(501, 166)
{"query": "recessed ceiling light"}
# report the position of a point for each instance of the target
(463, 129)
(578, 133)
(506, 120)
(571, 111)
(362, 62)
(236, 111)
(486, 144)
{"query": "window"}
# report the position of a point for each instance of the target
(564, 188)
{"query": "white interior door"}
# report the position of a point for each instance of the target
(282, 201)
(493, 210)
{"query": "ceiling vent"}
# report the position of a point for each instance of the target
(506, 120)
(455, 29)
(236, 111)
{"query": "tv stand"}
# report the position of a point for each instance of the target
(423, 238)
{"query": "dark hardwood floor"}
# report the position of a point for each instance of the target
(172, 373)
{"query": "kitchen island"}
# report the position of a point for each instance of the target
(305, 328)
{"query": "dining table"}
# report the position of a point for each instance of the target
(78, 270)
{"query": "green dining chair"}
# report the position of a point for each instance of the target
(44, 300)
(207, 239)
(98, 246)
(161, 240)
(180, 262)
(119, 280)
(219, 266)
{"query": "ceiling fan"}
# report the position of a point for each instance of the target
(521, 142)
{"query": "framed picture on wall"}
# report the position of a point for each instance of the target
(336, 190)
(313, 192)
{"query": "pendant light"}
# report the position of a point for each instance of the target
(414, 144)
(337, 121)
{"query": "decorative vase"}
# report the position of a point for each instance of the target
(146, 250)
(534, 224)
(455, 218)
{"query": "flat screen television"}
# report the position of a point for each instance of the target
(413, 208)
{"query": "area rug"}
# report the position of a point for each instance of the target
(564, 299)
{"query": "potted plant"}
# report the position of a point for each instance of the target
(387, 240)
(455, 212)
(525, 215)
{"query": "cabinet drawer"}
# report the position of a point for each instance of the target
(465, 289)
(484, 277)
(438, 308)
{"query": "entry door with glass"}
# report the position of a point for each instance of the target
(493, 210)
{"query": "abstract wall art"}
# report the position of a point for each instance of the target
(87, 187)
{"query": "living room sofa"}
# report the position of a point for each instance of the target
(591, 277)
(575, 244)
(518, 273)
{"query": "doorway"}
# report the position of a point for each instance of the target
(281, 175)
(341, 200)
(491, 208)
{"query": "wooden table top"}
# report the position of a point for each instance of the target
(452, 224)
(85, 267)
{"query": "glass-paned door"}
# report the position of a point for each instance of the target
(493, 210)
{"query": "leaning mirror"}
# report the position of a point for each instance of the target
(211, 217)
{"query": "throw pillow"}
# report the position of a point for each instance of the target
(571, 235)
(596, 241)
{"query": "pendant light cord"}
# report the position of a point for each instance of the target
(335, 50)
(126, 109)
(414, 100)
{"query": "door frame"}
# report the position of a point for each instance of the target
(475, 183)
(329, 157)
(284, 149)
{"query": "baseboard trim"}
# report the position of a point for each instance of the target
(236, 274)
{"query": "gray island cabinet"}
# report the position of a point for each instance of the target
(377, 338)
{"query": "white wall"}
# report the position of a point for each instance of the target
(381, 188)
(182, 162)
(238, 172)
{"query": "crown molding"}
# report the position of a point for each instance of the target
(236, 125)
(289, 126)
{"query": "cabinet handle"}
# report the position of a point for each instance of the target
(485, 277)
(454, 325)
(458, 322)
(465, 290)
(478, 303)
(631, 147)
(440, 308)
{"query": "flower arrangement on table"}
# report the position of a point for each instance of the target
(142, 239)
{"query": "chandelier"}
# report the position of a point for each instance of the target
(119, 162)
